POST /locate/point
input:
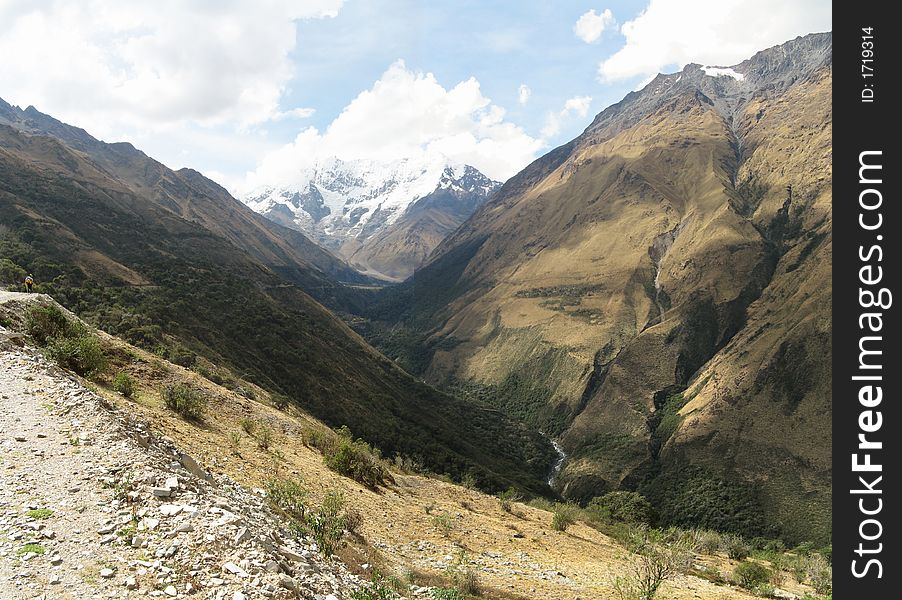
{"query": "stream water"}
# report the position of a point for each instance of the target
(558, 464)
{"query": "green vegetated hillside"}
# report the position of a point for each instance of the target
(656, 293)
(180, 267)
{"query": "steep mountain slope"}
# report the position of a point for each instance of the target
(192, 196)
(116, 255)
(654, 293)
(385, 217)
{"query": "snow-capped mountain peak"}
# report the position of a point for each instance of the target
(338, 200)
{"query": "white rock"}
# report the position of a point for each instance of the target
(234, 569)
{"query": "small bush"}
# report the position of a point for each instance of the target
(820, 573)
(564, 516)
(124, 384)
(707, 541)
(234, 441)
(444, 523)
(380, 587)
(248, 425)
(447, 594)
(281, 401)
(734, 546)
(625, 507)
(81, 354)
(288, 495)
(354, 459)
(264, 437)
(658, 558)
(463, 577)
(44, 323)
(751, 575)
(507, 499)
(186, 401)
(327, 523)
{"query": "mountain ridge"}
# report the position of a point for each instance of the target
(602, 293)
(371, 212)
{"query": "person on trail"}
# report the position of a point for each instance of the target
(29, 284)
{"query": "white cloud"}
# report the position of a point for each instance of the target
(523, 93)
(591, 25)
(712, 32)
(116, 66)
(408, 114)
(578, 106)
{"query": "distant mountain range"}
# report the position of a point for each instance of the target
(384, 217)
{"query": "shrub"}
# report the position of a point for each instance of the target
(186, 401)
(380, 587)
(820, 573)
(124, 384)
(248, 425)
(734, 546)
(707, 541)
(624, 506)
(507, 499)
(81, 354)
(750, 575)
(234, 441)
(354, 459)
(447, 594)
(564, 516)
(46, 322)
(264, 437)
(463, 577)
(40, 513)
(327, 523)
(656, 561)
(289, 495)
(443, 523)
(281, 401)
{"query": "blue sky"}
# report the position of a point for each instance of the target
(501, 44)
(251, 92)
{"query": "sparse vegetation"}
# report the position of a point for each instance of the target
(31, 549)
(43, 323)
(123, 384)
(734, 546)
(289, 495)
(750, 575)
(40, 513)
(248, 425)
(264, 436)
(564, 516)
(447, 594)
(659, 557)
(234, 438)
(353, 458)
(327, 523)
(81, 354)
(463, 577)
(186, 401)
(380, 587)
(444, 523)
(65, 341)
(507, 498)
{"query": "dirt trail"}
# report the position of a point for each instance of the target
(93, 505)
